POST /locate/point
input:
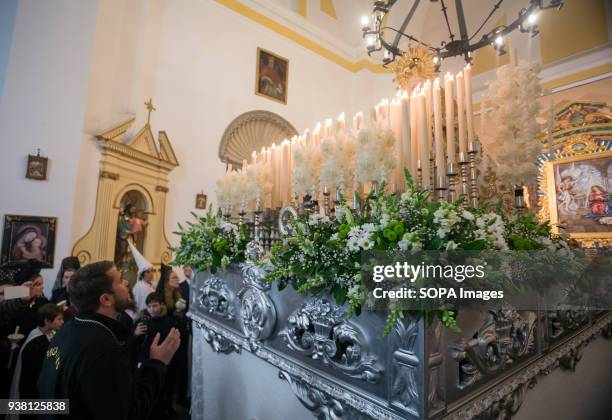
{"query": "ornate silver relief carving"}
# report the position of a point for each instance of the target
(504, 400)
(404, 388)
(257, 311)
(321, 405)
(566, 319)
(218, 342)
(435, 383)
(216, 298)
(320, 330)
(504, 336)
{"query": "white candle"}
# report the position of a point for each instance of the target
(414, 136)
(395, 118)
(467, 78)
(460, 114)
(317, 136)
(254, 157)
(423, 142)
(328, 131)
(450, 120)
(285, 174)
(428, 111)
(439, 136)
(406, 133)
(341, 123)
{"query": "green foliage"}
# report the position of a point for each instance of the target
(210, 243)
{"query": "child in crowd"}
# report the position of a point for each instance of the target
(32, 354)
(155, 320)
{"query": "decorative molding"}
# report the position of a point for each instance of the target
(162, 189)
(240, 137)
(318, 403)
(319, 329)
(110, 175)
(218, 342)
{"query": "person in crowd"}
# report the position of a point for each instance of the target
(68, 263)
(88, 362)
(60, 296)
(155, 321)
(144, 285)
(169, 289)
(27, 319)
(29, 362)
(184, 285)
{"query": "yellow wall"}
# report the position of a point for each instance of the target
(579, 26)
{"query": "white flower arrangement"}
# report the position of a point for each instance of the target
(238, 188)
(512, 144)
(259, 181)
(307, 165)
(338, 160)
(375, 154)
(224, 190)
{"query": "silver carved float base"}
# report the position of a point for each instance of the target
(309, 360)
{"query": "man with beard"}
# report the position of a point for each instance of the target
(87, 361)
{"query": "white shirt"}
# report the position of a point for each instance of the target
(141, 290)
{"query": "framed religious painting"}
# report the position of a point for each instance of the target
(37, 167)
(580, 196)
(200, 202)
(28, 238)
(272, 76)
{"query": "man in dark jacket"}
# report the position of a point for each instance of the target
(87, 361)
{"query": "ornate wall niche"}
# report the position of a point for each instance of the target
(130, 167)
(250, 132)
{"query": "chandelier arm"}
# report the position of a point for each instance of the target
(487, 19)
(450, 33)
(405, 23)
(486, 39)
(410, 37)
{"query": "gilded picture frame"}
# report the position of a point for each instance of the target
(272, 76)
(580, 197)
(28, 238)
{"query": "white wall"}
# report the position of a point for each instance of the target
(42, 106)
(196, 59)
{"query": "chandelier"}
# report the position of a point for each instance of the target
(373, 32)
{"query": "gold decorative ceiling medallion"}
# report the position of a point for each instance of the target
(414, 64)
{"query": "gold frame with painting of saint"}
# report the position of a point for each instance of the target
(580, 195)
(272, 79)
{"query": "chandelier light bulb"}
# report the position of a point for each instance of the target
(370, 40)
(532, 18)
(436, 59)
(365, 21)
(499, 40)
(387, 55)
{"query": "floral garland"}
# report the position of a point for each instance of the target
(210, 243)
(325, 254)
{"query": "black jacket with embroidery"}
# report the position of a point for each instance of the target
(88, 363)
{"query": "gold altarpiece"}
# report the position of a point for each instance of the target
(581, 138)
(134, 168)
